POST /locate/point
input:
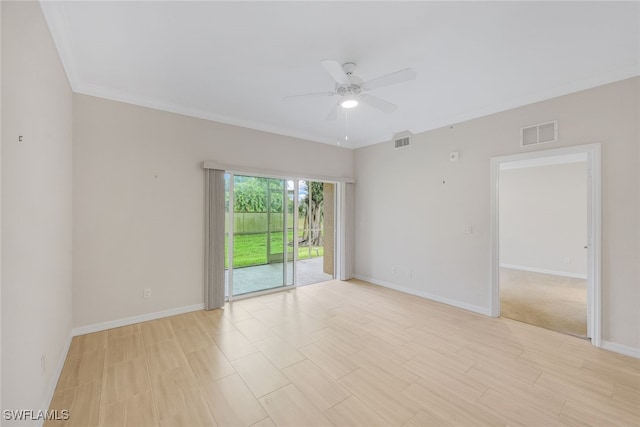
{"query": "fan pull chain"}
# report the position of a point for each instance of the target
(346, 125)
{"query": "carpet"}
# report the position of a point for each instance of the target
(551, 302)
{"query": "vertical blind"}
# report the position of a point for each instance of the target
(214, 239)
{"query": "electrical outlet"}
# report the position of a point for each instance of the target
(467, 229)
(147, 293)
(409, 273)
(567, 260)
(393, 270)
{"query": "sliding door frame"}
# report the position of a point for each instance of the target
(343, 242)
(230, 296)
(339, 213)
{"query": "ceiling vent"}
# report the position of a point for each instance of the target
(541, 133)
(402, 140)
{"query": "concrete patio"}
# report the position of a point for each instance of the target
(269, 276)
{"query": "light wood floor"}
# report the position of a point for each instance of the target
(346, 354)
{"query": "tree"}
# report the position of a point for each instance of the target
(312, 234)
(250, 194)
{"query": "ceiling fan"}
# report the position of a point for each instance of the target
(351, 89)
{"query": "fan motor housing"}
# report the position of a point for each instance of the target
(349, 90)
(355, 88)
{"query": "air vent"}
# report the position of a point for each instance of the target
(539, 134)
(402, 140)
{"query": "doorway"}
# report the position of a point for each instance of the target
(278, 233)
(545, 266)
(543, 235)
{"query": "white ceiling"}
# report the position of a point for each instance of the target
(235, 62)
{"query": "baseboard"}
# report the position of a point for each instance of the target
(46, 403)
(444, 300)
(97, 327)
(544, 271)
(622, 349)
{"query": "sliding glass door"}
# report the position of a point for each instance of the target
(256, 228)
(270, 223)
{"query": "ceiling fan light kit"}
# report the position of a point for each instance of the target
(349, 102)
(351, 88)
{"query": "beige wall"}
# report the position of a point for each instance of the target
(543, 218)
(36, 207)
(407, 218)
(139, 201)
(1, 208)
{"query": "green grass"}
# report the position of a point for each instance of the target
(251, 249)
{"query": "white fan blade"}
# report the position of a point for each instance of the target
(311, 95)
(333, 114)
(390, 79)
(336, 71)
(378, 103)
